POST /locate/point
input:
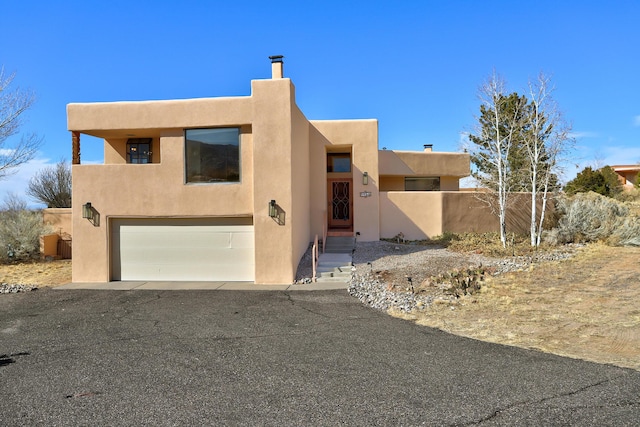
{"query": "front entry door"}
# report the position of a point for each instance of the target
(340, 193)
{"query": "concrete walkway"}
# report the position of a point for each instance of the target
(214, 286)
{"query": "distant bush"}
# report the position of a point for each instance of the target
(602, 181)
(590, 217)
(20, 231)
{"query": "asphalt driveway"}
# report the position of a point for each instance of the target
(81, 357)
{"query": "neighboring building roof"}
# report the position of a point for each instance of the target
(625, 168)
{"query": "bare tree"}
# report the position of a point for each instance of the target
(52, 185)
(14, 102)
(546, 140)
(493, 144)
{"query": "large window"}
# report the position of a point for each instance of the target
(139, 150)
(212, 155)
(422, 184)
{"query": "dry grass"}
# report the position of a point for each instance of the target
(483, 243)
(51, 273)
(585, 308)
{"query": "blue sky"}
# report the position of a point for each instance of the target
(413, 65)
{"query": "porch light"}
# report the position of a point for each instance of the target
(365, 178)
(87, 211)
(273, 212)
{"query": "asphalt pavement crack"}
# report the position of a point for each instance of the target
(293, 302)
(499, 412)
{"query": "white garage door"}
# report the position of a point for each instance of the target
(203, 249)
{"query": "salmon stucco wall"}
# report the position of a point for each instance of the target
(300, 184)
(422, 215)
(470, 212)
(415, 214)
(115, 190)
(274, 143)
(420, 163)
(360, 138)
(59, 219)
(273, 163)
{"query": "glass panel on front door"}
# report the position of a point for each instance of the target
(341, 202)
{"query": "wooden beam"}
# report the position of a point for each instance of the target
(75, 147)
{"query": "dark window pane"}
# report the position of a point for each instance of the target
(212, 155)
(422, 184)
(338, 162)
(139, 150)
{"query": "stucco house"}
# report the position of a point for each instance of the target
(627, 174)
(235, 188)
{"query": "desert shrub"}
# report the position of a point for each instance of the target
(602, 181)
(458, 282)
(20, 231)
(590, 217)
(631, 195)
(490, 244)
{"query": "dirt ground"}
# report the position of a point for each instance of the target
(43, 274)
(587, 307)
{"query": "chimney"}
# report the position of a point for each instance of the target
(276, 66)
(428, 148)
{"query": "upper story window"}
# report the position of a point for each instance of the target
(338, 162)
(212, 155)
(139, 150)
(422, 184)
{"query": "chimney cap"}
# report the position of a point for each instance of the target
(276, 58)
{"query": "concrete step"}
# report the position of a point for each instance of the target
(345, 244)
(334, 266)
(336, 244)
(333, 257)
(338, 250)
(334, 273)
(332, 280)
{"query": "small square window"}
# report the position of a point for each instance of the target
(139, 150)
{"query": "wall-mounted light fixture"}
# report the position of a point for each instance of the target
(365, 178)
(91, 214)
(273, 211)
(87, 211)
(276, 213)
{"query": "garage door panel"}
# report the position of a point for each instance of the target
(188, 255)
(182, 249)
(243, 240)
(180, 237)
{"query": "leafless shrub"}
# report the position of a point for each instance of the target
(590, 217)
(20, 231)
(52, 185)
(14, 103)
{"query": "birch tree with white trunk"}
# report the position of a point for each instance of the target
(546, 140)
(493, 146)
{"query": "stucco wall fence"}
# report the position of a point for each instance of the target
(422, 215)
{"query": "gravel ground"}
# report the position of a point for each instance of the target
(384, 273)
(14, 288)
